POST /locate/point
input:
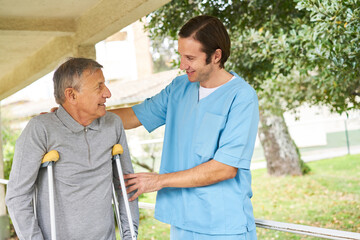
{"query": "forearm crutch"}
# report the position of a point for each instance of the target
(116, 151)
(48, 161)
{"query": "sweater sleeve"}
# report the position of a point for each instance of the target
(127, 168)
(29, 150)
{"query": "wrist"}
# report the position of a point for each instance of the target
(161, 181)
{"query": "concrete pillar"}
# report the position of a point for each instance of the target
(4, 219)
(144, 61)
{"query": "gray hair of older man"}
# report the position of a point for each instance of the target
(68, 75)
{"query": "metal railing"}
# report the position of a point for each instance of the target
(3, 181)
(283, 227)
(292, 228)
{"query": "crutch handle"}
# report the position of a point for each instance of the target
(117, 149)
(51, 156)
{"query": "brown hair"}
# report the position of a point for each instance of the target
(211, 33)
(68, 75)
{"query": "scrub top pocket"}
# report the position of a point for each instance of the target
(208, 135)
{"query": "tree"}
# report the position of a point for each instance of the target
(258, 31)
(322, 55)
(315, 59)
(290, 51)
(332, 55)
(163, 53)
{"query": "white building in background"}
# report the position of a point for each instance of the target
(312, 124)
(126, 55)
(117, 56)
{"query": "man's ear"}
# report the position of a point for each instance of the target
(70, 95)
(217, 56)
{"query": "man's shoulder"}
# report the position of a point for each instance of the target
(112, 118)
(181, 81)
(41, 123)
(242, 89)
(242, 86)
(47, 118)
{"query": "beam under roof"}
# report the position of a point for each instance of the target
(32, 46)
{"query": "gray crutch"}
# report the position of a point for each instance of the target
(116, 151)
(48, 161)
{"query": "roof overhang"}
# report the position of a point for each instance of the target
(36, 36)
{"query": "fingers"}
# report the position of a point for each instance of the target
(129, 180)
(141, 183)
(51, 110)
(134, 197)
(130, 176)
(132, 188)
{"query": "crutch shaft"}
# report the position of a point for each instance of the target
(52, 201)
(117, 210)
(35, 201)
(125, 197)
(48, 161)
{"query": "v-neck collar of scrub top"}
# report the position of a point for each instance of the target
(73, 125)
(211, 95)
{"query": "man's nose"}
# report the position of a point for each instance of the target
(183, 66)
(107, 93)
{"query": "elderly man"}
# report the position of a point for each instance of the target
(83, 133)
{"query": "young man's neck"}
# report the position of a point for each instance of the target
(218, 78)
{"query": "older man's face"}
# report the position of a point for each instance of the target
(92, 96)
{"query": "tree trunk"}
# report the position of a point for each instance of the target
(4, 219)
(279, 149)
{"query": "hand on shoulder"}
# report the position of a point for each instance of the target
(51, 110)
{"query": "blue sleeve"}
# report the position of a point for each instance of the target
(152, 112)
(236, 143)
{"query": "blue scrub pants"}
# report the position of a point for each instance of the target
(181, 234)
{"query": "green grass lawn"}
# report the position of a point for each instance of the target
(329, 197)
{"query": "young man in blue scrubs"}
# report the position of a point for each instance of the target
(211, 118)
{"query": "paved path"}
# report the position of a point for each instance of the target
(316, 155)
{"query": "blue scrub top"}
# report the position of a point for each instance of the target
(221, 126)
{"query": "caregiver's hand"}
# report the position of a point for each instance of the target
(142, 183)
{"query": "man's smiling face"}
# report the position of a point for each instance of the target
(193, 60)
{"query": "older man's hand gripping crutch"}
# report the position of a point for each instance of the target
(48, 161)
(116, 152)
